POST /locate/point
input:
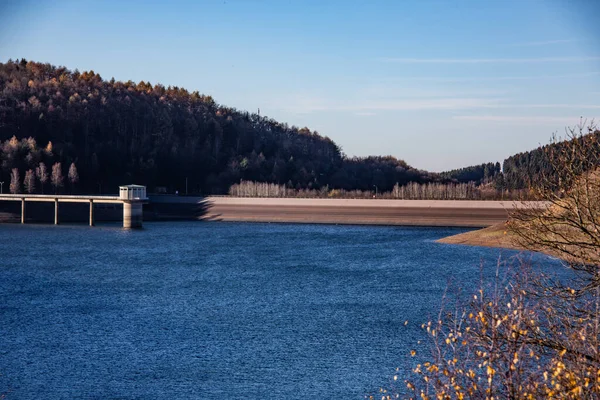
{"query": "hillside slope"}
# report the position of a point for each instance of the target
(122, 132)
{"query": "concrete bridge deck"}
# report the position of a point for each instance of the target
(131, 196)
(61, 198)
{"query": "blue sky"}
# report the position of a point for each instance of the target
(440, 84)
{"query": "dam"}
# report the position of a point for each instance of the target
(133, 206)
(459, 213)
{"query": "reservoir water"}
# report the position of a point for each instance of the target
(220, 310)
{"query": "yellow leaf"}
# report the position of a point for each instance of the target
(562, 352)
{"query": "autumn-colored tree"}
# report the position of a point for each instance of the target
(73, 176)
(513, 340)
(15, 181)
(529, 335)
(48, 149)
(57, 179)
(569, 225)
(29, 181)
(42, 174)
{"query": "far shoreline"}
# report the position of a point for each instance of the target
(490, 215)
(497, 235)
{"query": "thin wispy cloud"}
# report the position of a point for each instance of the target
(575, 106)
(492, 78)
(370, 99)
(305, 105)
(386, 90)
(401, 60)
(427, 104)
(543, 43)
(551, 106)
(522, 120)
(548, 106)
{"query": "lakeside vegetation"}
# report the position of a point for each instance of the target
(527, 334)
(115, 133)
(410, 191)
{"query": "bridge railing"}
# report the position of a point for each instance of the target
(64, 198)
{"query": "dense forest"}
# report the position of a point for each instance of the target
(65, 130)
(125, 132)
(484, 173)
(523, 170)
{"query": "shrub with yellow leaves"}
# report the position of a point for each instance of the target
(527, 335)
(511, 342)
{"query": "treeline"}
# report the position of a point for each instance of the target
(410, 191)
(168, 138)
(478, 174)
(126, 132)
(524, 170)
(39, 165)
(521, 172)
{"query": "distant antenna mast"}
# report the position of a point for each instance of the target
(259, 112)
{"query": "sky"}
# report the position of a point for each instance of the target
(440, 84)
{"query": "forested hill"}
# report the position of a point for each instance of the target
(125, 132)
(523, 170)
(483, 173)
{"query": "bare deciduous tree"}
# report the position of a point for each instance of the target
(15, 181)
(73, 175)
(531, 335)
(569, 226)
(29, 181)
(57, 179)
(42, 174)
(409, 191)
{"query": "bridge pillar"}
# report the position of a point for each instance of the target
(23, 210)
(55, 211)
(132, 214)
(92, 222)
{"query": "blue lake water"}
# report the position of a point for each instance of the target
(219, 310)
